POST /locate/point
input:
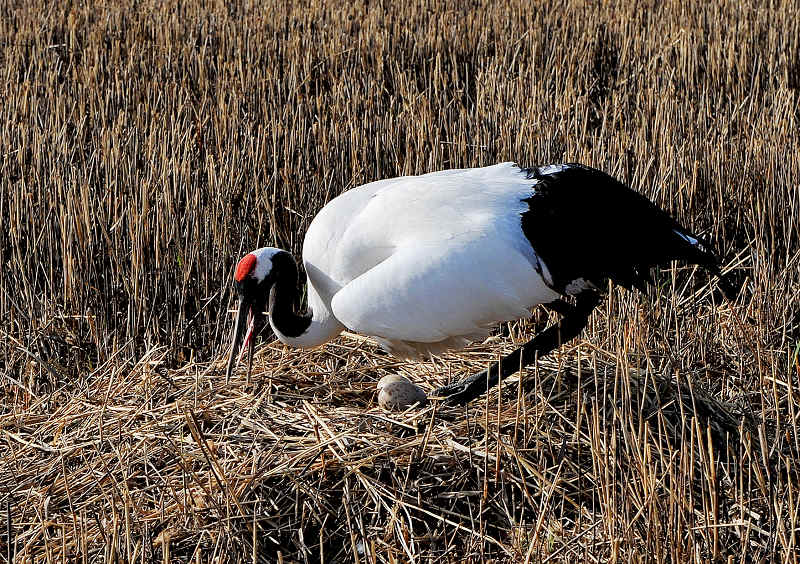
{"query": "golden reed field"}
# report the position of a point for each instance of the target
(146, 146)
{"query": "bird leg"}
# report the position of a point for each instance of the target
(575, 319)
(560, 306)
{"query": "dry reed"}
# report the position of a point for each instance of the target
(143, 149)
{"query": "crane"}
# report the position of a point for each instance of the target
(428, 263)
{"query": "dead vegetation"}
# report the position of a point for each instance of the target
(143, 149)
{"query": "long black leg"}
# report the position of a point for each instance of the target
(575, 319)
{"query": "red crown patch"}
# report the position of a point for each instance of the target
(245, 267)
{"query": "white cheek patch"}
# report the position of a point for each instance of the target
(263, 262)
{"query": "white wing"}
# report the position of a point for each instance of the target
(429, 262)
(440, 296)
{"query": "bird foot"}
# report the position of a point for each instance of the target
(461, 393)
(454, 394)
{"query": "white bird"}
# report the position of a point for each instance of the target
(427, 263)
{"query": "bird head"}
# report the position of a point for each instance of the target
(252, 280)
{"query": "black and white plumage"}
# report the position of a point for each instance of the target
(428, 263)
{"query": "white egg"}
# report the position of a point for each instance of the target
(396, 393)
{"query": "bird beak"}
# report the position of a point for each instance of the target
(247, 317)
(238, 330)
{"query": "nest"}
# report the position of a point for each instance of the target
(298, 463)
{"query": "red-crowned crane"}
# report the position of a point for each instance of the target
(428, 263)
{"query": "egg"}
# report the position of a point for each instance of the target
(396, 393)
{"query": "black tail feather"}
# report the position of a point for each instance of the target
(585, 225)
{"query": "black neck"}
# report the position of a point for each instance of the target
(284, 298)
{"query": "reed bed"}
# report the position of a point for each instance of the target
(144, 148)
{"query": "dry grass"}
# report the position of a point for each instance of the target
(142, 150)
